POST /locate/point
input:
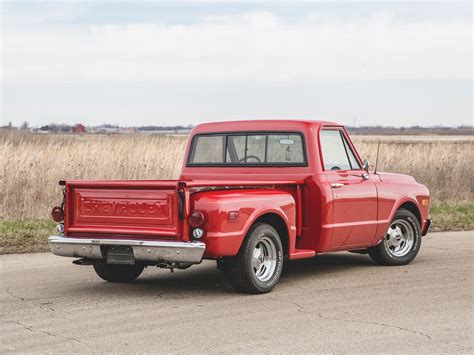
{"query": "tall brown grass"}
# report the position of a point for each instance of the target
(31, 165)
(444, 166)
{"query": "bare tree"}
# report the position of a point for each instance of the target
(25, 126)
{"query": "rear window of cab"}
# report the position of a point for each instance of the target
(248, 149)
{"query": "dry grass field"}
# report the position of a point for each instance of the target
(32, 164)
(445, 166)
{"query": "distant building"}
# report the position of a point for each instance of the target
(78, 128)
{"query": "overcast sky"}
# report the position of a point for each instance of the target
(174, 62)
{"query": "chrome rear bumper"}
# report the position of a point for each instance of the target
(151, 251)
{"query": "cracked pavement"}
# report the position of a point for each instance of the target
(337, 302)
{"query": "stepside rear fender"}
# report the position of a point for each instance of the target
(223, 236)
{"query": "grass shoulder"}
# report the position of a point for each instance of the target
(450, 216)
(25, 236)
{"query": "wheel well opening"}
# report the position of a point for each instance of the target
(279, 224)
(410, 206)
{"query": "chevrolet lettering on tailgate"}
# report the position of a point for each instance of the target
(95, 207)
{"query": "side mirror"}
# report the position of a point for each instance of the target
(365, 166)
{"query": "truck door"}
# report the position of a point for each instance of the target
(354, 203)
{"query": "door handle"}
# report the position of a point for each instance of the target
(336, 185)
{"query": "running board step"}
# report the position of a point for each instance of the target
(302, 254)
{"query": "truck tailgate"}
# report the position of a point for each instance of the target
(122, 208)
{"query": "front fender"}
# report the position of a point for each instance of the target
(223, 237)
(390, 201)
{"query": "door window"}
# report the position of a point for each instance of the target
(352, 159)
(336, 152)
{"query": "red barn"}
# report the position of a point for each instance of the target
(79, 128)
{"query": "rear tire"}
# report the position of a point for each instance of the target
(401, 242)
(118, 273)
(257, 267)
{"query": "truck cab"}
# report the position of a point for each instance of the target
(251, 195)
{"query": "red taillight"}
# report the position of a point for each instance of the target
(196, 219)
(57, 213)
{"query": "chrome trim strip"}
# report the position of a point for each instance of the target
(143, 250)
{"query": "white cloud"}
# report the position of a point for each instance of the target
(252, 46)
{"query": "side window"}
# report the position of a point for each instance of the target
(352, 159)
(333, 150)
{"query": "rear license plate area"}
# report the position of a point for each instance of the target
(120, 255)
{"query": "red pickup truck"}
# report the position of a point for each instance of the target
(251, 195)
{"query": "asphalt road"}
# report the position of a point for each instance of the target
(333, 303)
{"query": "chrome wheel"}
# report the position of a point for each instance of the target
(399, 238)
(264, 259)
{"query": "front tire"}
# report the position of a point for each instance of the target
(118, 273)
(401, 242)
(258, 265)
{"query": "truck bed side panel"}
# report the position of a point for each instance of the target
(223, 236)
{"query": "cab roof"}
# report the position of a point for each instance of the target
(260, 125)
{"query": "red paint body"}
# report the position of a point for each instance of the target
(312, 217)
